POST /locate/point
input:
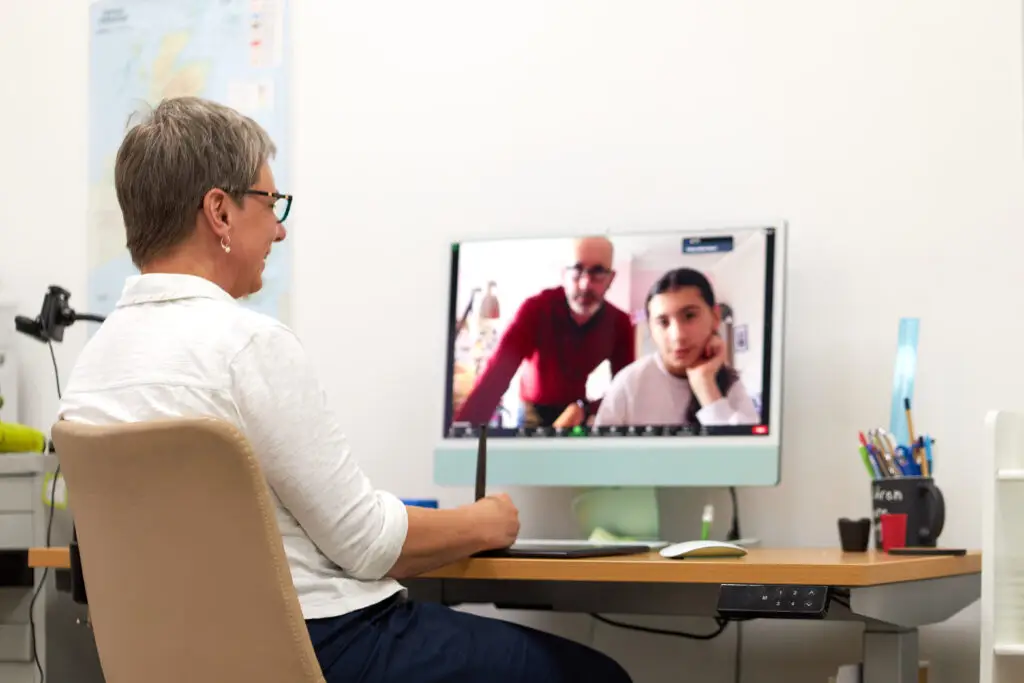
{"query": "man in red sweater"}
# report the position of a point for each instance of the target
(562, 334)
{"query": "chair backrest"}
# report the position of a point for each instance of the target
(181, 555)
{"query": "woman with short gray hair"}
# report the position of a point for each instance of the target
(202, 213)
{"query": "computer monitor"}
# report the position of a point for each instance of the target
(621, 360)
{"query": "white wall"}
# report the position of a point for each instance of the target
(43, 128)
(887, 134)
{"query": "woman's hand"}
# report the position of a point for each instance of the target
(702, 377)
(572, 416)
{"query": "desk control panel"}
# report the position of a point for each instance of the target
(748, 601)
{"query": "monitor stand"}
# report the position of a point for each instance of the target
(611, 516)
(618, 514)
(625, 515)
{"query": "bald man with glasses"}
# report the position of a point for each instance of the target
(560, 336)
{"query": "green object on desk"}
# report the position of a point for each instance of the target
(705, 522)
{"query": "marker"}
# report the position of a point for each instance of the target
(866, 456)
(926, 461)
(705, 522)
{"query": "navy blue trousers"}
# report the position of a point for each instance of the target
(404, 641)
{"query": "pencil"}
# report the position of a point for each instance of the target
(910, 421)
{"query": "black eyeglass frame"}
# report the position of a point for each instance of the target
(276, 196)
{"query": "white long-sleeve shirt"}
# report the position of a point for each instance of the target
(645, 393)
(180, 346)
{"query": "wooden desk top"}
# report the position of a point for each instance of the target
(826, 566)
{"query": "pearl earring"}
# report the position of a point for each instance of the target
(225, 244)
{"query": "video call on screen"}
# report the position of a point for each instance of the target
(635, 335)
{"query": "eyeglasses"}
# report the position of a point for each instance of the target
(595, 273)
(282, 202)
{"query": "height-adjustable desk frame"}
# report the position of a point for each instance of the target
(892, 596)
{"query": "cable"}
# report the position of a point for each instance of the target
(722, 624)
(734, 534)
(734, 528)
(49, 531)
(737, 669)
(56, 370)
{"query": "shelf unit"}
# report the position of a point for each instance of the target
(1002, 560)
(23, 522)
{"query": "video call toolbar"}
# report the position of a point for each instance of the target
(466, 431)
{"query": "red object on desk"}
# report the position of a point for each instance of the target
(894, 531)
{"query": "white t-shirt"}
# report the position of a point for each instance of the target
(180, 346)
(645, 393)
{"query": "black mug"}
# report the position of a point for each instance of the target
(916, 497)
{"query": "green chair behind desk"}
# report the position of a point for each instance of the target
(181, 554)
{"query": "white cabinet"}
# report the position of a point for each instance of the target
(1002, 560)
(23, 521)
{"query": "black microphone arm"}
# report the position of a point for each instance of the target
(55, 316)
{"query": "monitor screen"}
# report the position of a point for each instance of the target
(635, 338)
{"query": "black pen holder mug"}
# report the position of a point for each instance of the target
(916, 497)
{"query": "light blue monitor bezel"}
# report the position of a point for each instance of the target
(636, 461)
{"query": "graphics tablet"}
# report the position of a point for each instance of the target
(556, 550)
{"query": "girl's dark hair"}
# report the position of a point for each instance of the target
(678, 279)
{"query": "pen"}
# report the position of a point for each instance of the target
(878, 461)
(705, 522)
(928, 453)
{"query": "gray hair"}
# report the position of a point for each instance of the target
(167, 163)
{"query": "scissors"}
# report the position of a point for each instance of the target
(903, 457)
(884, 444)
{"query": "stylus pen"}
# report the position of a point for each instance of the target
(481, 463)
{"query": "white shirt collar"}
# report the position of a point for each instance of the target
(155, 287)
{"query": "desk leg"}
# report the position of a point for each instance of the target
(890, 656)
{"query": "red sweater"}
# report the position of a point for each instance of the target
(559, 355)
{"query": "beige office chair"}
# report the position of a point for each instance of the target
(182, 558)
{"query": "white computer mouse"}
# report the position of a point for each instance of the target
(680, 551)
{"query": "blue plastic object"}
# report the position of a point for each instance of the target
(903, 379)
(420, 502)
